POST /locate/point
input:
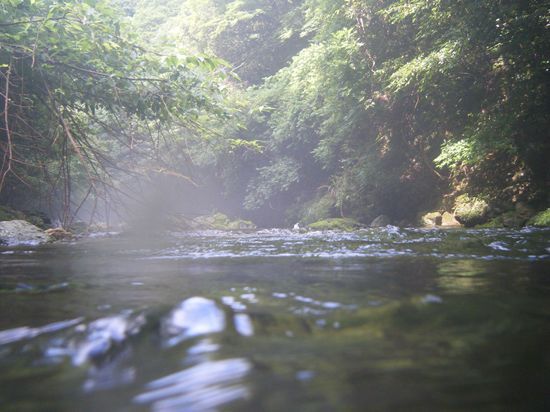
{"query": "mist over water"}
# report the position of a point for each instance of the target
(376, 319)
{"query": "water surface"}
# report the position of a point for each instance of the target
(378, 319)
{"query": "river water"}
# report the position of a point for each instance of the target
(275, 320)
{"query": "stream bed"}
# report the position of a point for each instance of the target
(277, 320)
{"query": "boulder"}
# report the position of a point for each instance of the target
(21, 232)
(381, 221)
(338, 223)
(432, 219)
(219, 221)
(471, 211)
(447, 219)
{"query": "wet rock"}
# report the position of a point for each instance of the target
(515, 218)
(219, 221)
(340, 223)
(381, 221)
(432, 219)
(471, 211)
(20, 232)
(448, 219)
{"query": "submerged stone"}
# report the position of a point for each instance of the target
(21, 232)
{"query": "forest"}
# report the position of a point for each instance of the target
(274, 205)
(281, 112)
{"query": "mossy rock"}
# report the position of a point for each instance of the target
(494, 223)
(471, 211)
(219, 221)
(512, 218)
(339, 223)
(541, 218)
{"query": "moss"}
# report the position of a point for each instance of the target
(470, 211)
(512, 219)
(220, 221)
(346, 224)
(494, 223)
(541, 218)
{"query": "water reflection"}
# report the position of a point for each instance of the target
(203, 387)
(193, 317)
(462, 276)
(210, 383)
(379, 319)
(94, 340)
(24, 332)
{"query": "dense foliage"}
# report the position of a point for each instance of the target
(79, 98)
(393, 104)
(343, 107)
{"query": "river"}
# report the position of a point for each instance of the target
(276, 320)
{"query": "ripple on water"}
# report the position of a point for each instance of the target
(94, 340)
(204, 387)
(193, 317)
(24, 332)
(388, 242)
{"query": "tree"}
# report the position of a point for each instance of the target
(70, 76)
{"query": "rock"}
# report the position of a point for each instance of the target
(515, 218)
(339, 223)
(20, 232)
(59, 233)
(381, 221)
(447, 219)
(470, 211)
(432, 219)
(241, 224)
(219, 221)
